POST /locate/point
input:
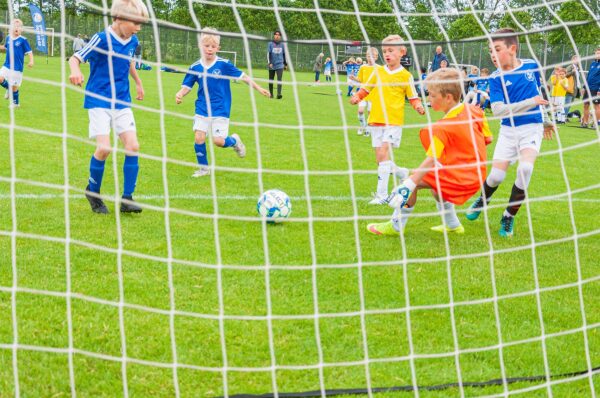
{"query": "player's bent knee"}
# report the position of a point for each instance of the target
(496, 177)
(102, 153)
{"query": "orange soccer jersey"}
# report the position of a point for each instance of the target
(459, 149)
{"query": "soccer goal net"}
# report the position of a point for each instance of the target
(198, 295)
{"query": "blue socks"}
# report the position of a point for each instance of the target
(96, 173)
(229, 141)
(130, 174)
(4, 84)
(349, 91)
(200, 150)
(16, 97)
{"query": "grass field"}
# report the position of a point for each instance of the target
(173, 284)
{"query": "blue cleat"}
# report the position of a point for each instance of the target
(475, 209)
(506, 226)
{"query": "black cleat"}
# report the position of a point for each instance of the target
(279, 96)
(96, 202)
(128, 205)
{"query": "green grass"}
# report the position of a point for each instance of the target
(344, 261)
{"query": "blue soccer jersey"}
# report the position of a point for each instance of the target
(96, 51)
(593, 77)
(482, 83)
(214, 91)
(519, 84)
(352, 69)
(18, 47)
(472, 78)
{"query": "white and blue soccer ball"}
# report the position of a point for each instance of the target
(274, 205)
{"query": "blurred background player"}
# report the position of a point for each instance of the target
(387, 88)
(277, 62)
(112, 108)
(213, 105)
(515, 96)
(591, 93)
(11, 73)
(352, 67)
(318, 66)
(327, 69)
(559, 84)
(455, 164)
(364, 72)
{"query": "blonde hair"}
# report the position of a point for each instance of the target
(134, 10)
(485, 70)
(373, 52)
(210, 35)
(446, 81)
(359, 60)
(394, 40)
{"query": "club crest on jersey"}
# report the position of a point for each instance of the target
(216, 72)
(529, 76)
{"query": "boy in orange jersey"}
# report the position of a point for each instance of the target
(454, 168)
(387, 88)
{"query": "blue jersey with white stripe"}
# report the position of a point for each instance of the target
(483, 84)
(96, 51)
(352, 69)
(19, 46)
(517, 85)
(593, 77)
(472, 78)
(214, 91)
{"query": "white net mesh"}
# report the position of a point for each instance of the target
(198, 296)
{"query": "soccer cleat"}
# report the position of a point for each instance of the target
(441, 228)
(506, 226)
(367, 133)
(128, 205)
(474, 210)
(96, 202)
(201, 172)
(378, 200)
(279, 96)
(239, 146)
(401, 173)
(384, 228)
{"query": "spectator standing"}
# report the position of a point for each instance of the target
(438, 57)
(277, 62)
(318, 66)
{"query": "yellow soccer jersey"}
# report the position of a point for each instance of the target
(387, 92)
(558, 89)
(365, 72)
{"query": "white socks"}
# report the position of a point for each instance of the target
(362, 120)
(449, 213)
(400, 217)
(383, 175)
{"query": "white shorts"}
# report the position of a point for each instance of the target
(558, 101)
(14, 78)
(385, 134)
(217, 126)
(353, 83)
(327, 72)
(102, 119)
(366, 104)
(512, 140)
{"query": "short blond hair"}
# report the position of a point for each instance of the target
(446, 81)
(373, 52)
(210, 35)
(394, 40)
(133, 10)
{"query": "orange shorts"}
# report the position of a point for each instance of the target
(452, 192)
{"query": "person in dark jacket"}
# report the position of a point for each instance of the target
(277, 62)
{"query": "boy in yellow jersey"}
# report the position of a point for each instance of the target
(559, 83)
(387, 88)
(364, 73)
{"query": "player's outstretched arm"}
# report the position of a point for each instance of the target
(139, 88)
(30, 64)
(76, 76)
(181, 93)
(255, 86)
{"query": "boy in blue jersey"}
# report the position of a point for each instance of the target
(515, 96)
(483, 89)
(108, 100)
(591, 92)
(11, 73)
(213, 106)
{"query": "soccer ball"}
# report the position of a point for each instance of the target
(274, 205)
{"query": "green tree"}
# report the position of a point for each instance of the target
(573, 11)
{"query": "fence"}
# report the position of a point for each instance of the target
(180, 46)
